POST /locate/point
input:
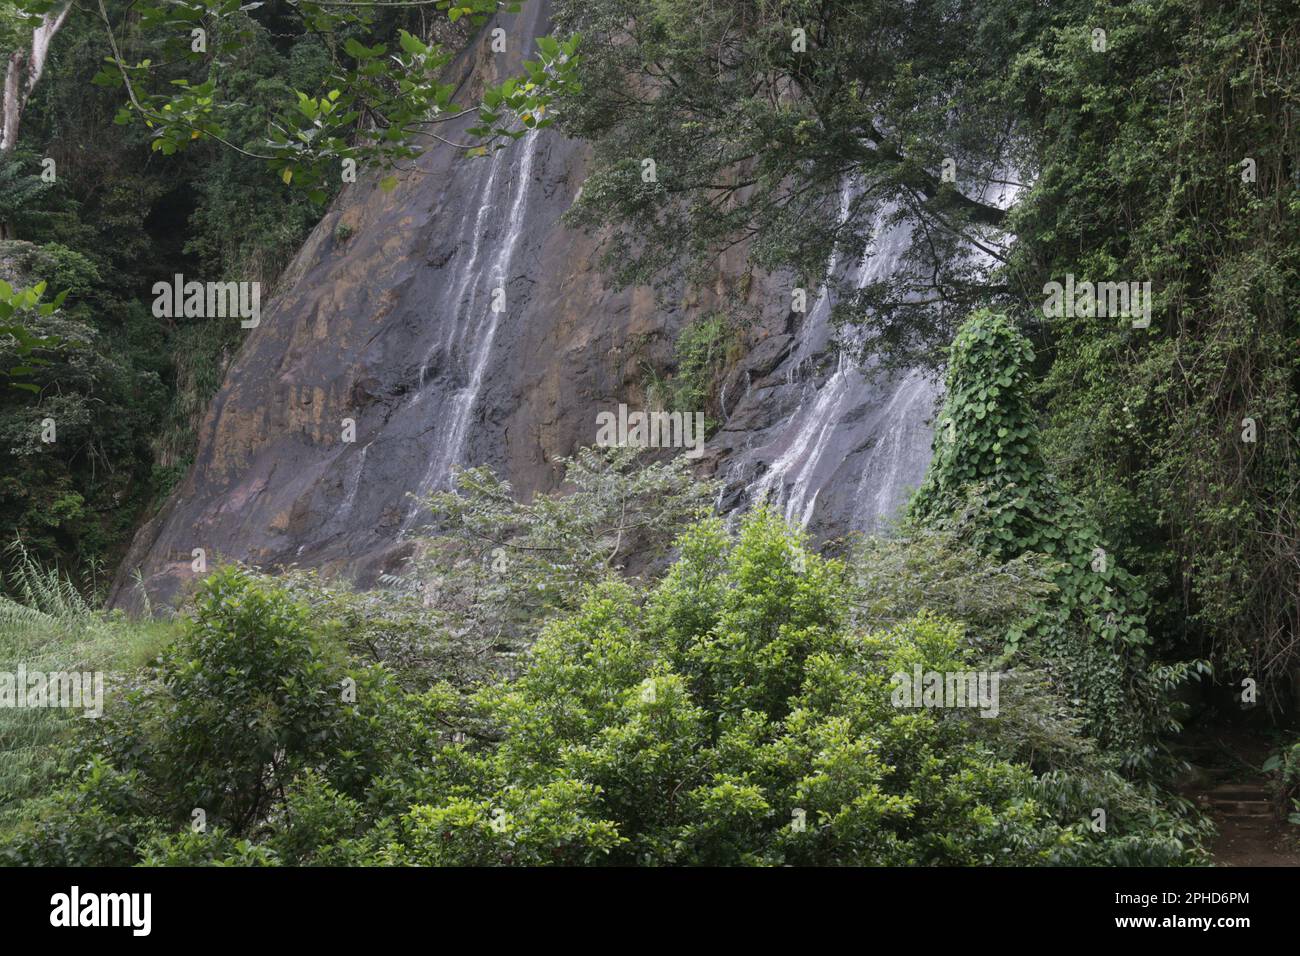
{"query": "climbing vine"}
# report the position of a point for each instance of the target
(988, 473)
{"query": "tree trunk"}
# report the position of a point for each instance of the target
(24, 72)
(13, 102)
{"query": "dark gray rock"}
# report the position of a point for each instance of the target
(394, 329)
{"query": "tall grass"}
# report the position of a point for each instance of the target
(47, 624)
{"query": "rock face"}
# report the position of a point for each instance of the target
(835, 446)
(387, 320)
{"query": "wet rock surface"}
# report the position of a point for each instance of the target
(393, 328)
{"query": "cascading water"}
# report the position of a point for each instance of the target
(845, 448)
(479, 300)
(896, 463)
(855, 442)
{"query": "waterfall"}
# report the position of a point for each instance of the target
(842, 450)
(353, 484)
(394, 331)
(856, 440)
(474, 321)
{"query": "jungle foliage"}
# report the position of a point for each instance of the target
(728, 713)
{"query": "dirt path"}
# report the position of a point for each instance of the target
(1249, 832)
(1237, 795)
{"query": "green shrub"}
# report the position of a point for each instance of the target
(247, 698)
(692, 730)
(207, 848)
(99, 820)
(48, 625)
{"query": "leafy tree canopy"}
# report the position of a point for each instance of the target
(171, 60)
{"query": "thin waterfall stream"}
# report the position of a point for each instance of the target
(857, 440)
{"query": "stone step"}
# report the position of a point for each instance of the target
(1245, 811)
(1237, 791)
(1239, 801)
(1260, 809)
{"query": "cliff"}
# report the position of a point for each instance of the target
(386, 319)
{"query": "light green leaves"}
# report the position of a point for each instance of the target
(380, 109)
(17, 307)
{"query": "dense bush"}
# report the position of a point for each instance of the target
(732, 713)
(49, 626)
(246, 699)
(497, 567)
(698, 724)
